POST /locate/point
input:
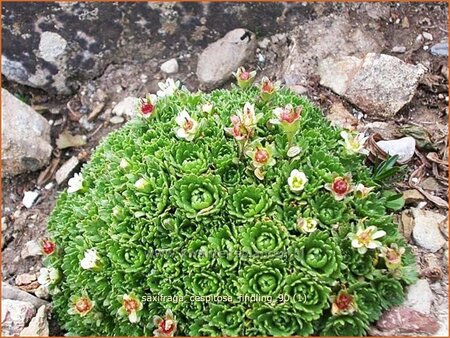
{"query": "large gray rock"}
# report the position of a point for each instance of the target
(426, 231)
(25, 135)
(16, 315)
(58, 45)
(419, 296)
(221, 58)
(332, 35)
(378, 84)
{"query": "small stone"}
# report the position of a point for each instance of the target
(51, 46)
(403, 147)
(386, 130)
(221, 58)
(29, 287)
(407, 224)
(432, 269)
(412, 196)
(67, 140)
(405, 22)
(426, 231)
(32, 249)
(427, 36)
(38, 326)
(440, 49)
(42, 292)
(378, 84)
(419, 296)
(399, 49)
(29, 197)
(264, 43)
(339, 116)
(25, 278)
(170, 66)
(4, 224)
(67, 169)
(298, 89)
(25, 137)
(126, 107)
(117, 119)
(430, 183)
(401, 320)
(16, 315)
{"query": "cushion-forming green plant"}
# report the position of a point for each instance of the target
(238, 212)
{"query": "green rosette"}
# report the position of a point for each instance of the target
(345, 326)
(198, 196)
(204, 283)
(389, 290)
(222, 320)
(264, 278)
(147, 190)
(357, 264)
(318, 254)
(248, 202)
(367, 299)
(265, 238)
(308, 296)
(278, 320)
(225, 248)
(188, 158)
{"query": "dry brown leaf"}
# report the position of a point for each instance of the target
(96, 110)
(67, 140)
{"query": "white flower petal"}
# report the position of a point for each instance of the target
(181, 133)
(378, 234)
(356, 243)
(133, 317)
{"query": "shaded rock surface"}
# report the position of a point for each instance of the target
(221, 58)
(56, 46)
(379, 84)
(25, 137)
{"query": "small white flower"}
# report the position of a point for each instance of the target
(168, 88)
(297, 180)
(207, 108)
(188, 127)
(366, 238)
(307, 225)
(123, 163)
(48, 276)
(91, 260)
(141, 184)
(354, 144)
(248, 117)
(75, 183)
(362, 191)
